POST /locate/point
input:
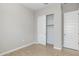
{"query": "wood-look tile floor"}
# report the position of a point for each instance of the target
(40, 50)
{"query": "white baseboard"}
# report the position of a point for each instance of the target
(49, 42)
(39, 43)
(57, 48)
(1, 54)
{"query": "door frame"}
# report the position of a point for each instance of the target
(46, 28)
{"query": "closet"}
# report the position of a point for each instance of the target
(71, 30)
(50, 29)
(45, 29)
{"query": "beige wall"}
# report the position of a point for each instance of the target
(70, 7)
(56, 10)
(16, 26)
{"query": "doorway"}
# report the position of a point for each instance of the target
(45, 30)
(50, 30)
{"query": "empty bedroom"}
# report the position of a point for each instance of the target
(39, 29)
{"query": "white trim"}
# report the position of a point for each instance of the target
(58, 48)
(1, 54)
(6, 52)
(39, 43)
(49, 42)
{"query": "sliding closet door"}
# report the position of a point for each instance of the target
(71, 31)
(41, 29)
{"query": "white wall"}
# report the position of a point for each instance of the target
(41, 29)
(16, 26)
(56, 10)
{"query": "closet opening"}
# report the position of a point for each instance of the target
(50, 30)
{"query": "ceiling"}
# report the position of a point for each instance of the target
(36, 6)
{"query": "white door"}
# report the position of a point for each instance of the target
(41, 29)
(71, 30)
